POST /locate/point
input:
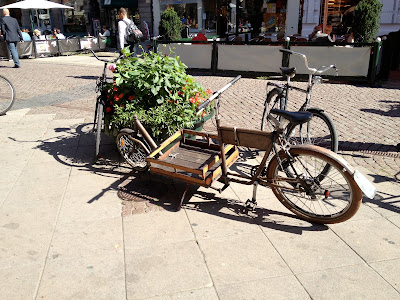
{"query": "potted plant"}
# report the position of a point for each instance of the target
(157, 89)
(366, 20)
(170, 25)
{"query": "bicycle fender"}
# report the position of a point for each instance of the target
(316, 109)
(323, 151)
(126, 130)
(363, 183)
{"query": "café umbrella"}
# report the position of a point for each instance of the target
(35, 4)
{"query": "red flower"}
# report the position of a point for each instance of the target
(197, 94)
(115, 89)
(116, 99)
(131, 97)
(183, 88)
(108, 109)
(192, 100)
(203, 113)
(209, 92)
(121, 96)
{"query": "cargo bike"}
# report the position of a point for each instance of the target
(295, 173)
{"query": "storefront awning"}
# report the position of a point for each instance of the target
(119, 3)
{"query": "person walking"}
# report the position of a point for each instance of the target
(122, 24)
(12, 35)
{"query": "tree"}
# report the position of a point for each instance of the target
(170, 25)
(366, 20)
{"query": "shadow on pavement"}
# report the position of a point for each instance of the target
(360, 146)
(393, 109)
(211, 204)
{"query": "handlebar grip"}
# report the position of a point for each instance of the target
(286, 50)
(216, 94)
(203, 105)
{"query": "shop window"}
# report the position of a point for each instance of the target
(339, 14)
(74, 18)
(274, 16)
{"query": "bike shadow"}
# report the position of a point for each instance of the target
(217, 205)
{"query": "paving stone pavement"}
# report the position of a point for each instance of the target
(65, 233)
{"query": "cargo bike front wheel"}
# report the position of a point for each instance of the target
(133, 149)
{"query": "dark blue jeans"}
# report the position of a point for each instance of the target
(12, 46)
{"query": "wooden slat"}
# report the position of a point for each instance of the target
(200, 133)
(154, 162)
(166, 154)
(179, 176)
(166, 143)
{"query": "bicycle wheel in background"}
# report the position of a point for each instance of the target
(7, 95)
(275, 99)
(99, 125)
(328, 199)
(133, 152)
(319, 131)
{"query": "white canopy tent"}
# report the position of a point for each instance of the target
(36, 4)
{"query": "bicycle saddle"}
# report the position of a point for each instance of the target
(298, 117)
(288, 71)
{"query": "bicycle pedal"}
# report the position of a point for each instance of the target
(251, 205)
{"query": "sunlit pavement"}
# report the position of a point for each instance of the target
(65, 233)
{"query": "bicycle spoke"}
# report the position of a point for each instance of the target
(326, 197)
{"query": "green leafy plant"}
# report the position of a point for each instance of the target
(157, 89)
(366, 20)
(170, 25)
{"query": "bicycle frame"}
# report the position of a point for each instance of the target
(312, 80)
(261, 140)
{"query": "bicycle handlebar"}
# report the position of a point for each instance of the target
(216, 94)
(104, 60)
(312, 70)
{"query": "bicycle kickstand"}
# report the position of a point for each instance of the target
(183, 197)
(251, 204)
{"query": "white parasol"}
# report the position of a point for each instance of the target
(36, 4)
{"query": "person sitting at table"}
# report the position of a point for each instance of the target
(328, 31)
(37, 35)
(318, 36)
(201, 36)
(106, 32)
(25, 35)
(57, 34)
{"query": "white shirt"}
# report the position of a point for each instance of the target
(122, 32)
(60, 36)
(105, 33)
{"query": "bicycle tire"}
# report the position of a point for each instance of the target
(132, 151)
(98, 129)
(319, 131)
(7, 95)
(340, 196)
(322, 131)
(275, 99)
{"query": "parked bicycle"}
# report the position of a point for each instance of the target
(293, 174)
(100, 101)
(7, 95)
(320, 130)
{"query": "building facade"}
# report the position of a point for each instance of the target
(285, 17)
(314, 10)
